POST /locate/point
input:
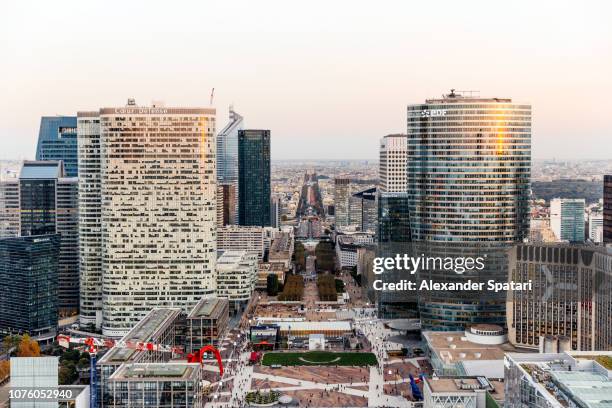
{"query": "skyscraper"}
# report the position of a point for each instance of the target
(363, 209)
(57, 140)
(607, 209)
(157, 210)
(393, 215)
(468, 171)
(254, 190)
(28, 284)
(392, 164)
(90, 221)
(42, 201)
(342, 195)
(567, 218)
(227, 156)
(275, 211)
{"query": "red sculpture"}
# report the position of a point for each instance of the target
(197, 356)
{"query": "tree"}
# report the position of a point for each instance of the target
(299, 255)
(272, 284)
(5, 369)
(11, 341)
(28, 347)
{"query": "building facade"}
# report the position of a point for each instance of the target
(567, 218)
(392, 164)
(393, 217)
(254, 188)
(571, 296)
(607, 209)
(40, 201)
(90, 219)
(226, 204)
(236, 277)
(57, 140)
(557, 380)
(596, 227)
(240, 238)
(342, 195)
(468, 173)
(28, 283)
(363, 210)
(157, 213)
(227, 157)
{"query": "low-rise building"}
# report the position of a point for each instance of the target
(236, 277)
(461, 392)
(207, 323)
(150, 385)
(281, 249)
(269, 268)
(477, 351)
(559, 380)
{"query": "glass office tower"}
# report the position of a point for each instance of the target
(28, 284)
(254, 190)
(468, 169)
(227, 158)
(57, 140)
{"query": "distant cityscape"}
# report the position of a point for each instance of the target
(152, 258)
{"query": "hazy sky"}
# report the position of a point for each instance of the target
(329, 78)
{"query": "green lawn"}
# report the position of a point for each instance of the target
(312, 358)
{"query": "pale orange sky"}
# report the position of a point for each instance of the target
(329, 78)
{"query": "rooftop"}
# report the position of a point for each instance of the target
(41, 170)
(157, 371)
(453, 347)
(211, 308)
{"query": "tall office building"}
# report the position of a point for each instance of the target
(10, 213)
(567, 218)
(363, 209)
(90, 221)
(393, 215)
(468, 171)
(607, 209)
(392, 164)
(227, 156)
(254, 189)
(28, 285)
(570, 296)
(42, 201)
(596, 227)
(157, 210)
(275, 211)
(342, 195)
(57, 140)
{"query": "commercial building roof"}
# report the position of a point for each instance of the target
(208, 307)
(453, 347)
(34, 170)
(335, 326)
(156, 372)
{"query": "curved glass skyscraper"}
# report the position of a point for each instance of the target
(468, 162)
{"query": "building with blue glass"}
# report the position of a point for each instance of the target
(468, 178)
(254, 190)
(43, 201)
(28, 285)
(57, 140)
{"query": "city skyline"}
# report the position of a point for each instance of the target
(355, 69)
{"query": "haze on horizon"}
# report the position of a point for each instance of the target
(329, 78)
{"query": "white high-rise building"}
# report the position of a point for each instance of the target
(392, 165)
(156, 224)
(596, 227)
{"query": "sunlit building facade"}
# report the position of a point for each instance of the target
(468, 170)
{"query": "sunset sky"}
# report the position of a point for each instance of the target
(328, 78)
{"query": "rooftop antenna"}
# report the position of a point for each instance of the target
(212, 96)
